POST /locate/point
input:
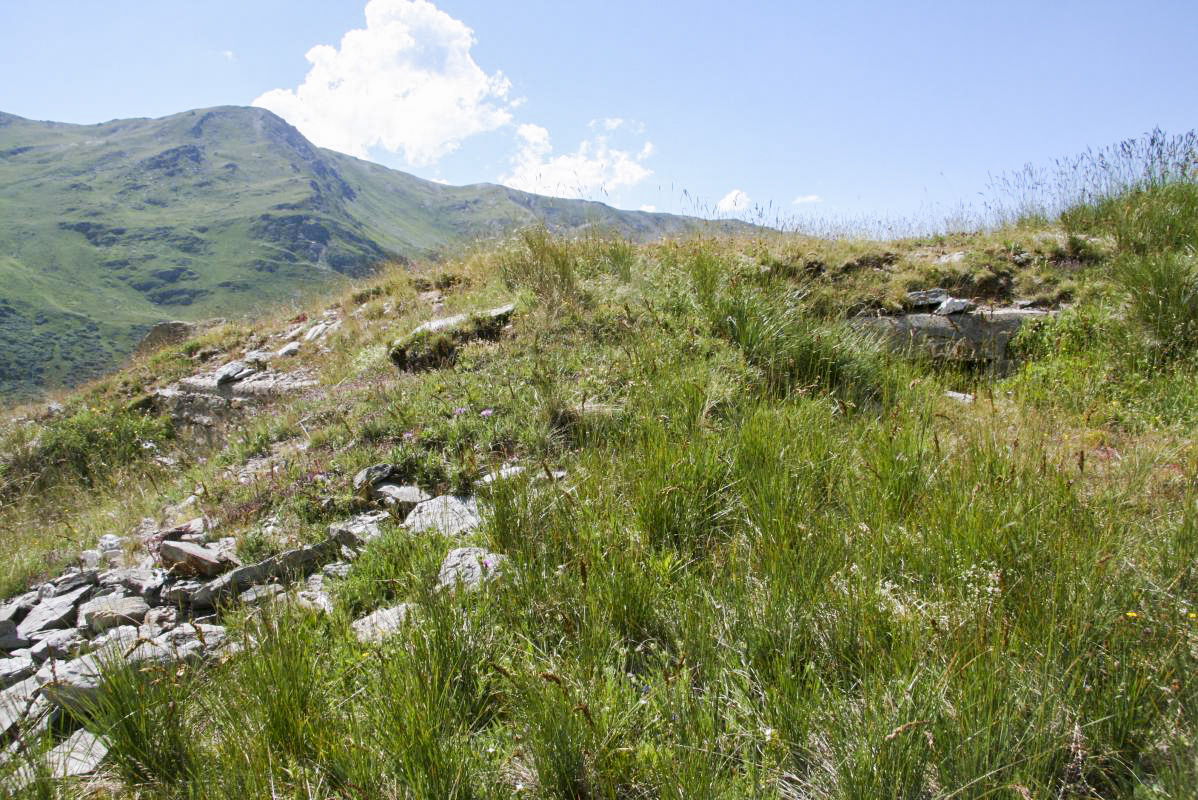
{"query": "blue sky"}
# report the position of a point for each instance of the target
(852, 109)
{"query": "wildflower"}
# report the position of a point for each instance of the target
(1192, 615)
(457, 412)
(409, 436)
(1131, 614)
(486, 412)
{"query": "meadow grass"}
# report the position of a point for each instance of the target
(782, 564)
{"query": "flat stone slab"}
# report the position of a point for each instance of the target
(982, 335)
(447, 514)
(469, 568)
(381, 624)
(457, 320)
(358, 530)
(53, 612)
(401, 498)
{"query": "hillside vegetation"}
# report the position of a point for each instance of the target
(753, 552)
(107, 229)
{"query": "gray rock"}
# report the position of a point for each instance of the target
(66, 643)
(181, 593)
(338, 569)
(954, 305)
(71, 580)
(470, 568)
(447, 514)
(9, 638)
(928, 298)
(14, 670)
(260, 595)
(316, 331)
(15, 609)
(233, 372)
(457, 320)
(960, 397)
(287, 565)
(144, 582)
(15, 703)
(160, 619)
(369, 477)
(313, 596)
(501, 474)
(400, 498)
(980, 336)
(357, 531)
(382, 623)
(91, 559)
(289, 349)
(188, 558)
(110, 541)
(53, 612)
(951, 258)
(102, 613)
(79, 754)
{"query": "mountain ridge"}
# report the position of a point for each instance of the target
(108, 228)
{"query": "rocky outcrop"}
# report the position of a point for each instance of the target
(435, 343)
(952, 332)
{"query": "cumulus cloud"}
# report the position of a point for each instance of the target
(807, 198)
(734, 203)
(650, 208)
(229, 55)
(406, 83)
(594, 167)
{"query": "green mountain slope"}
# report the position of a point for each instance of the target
(106, 229)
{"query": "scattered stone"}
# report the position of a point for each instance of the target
(954, 305)
(70, 581)
(470, 568)
(15, 703)
(53, 612)
(290, 349)
(960, 397)
(90, 559)
(381, 624)
(316, 331)
(9, 638)
(457, 320)
(188, 558)
(447, 514)
(160, 619)
(102, 613)
(338, 569)
(144, 582)
(290, 564)
(434, 344)
(111, 541)
(951, 258)
(313, 596)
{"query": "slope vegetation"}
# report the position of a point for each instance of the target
(106, 229)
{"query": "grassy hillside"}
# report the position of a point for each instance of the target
(782, 562)
(106, 229)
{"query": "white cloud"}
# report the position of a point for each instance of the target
(734, 203)
(594, 167)
(229, 55)
(806, 198)
(406, 83)
(650, 208)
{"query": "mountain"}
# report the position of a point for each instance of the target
(106, 229)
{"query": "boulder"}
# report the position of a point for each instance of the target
(78, 754)
(15, 703)
(382, 623)
(233, 372)
(358, 530)
(925, 299)
(447, 514)
(978, 336)
(434, 344)
(469, 568)
(954, 305)
(289, 349)
(285, 566)
(371, 476)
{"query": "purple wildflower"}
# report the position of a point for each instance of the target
(457, 412)
(486, 412)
